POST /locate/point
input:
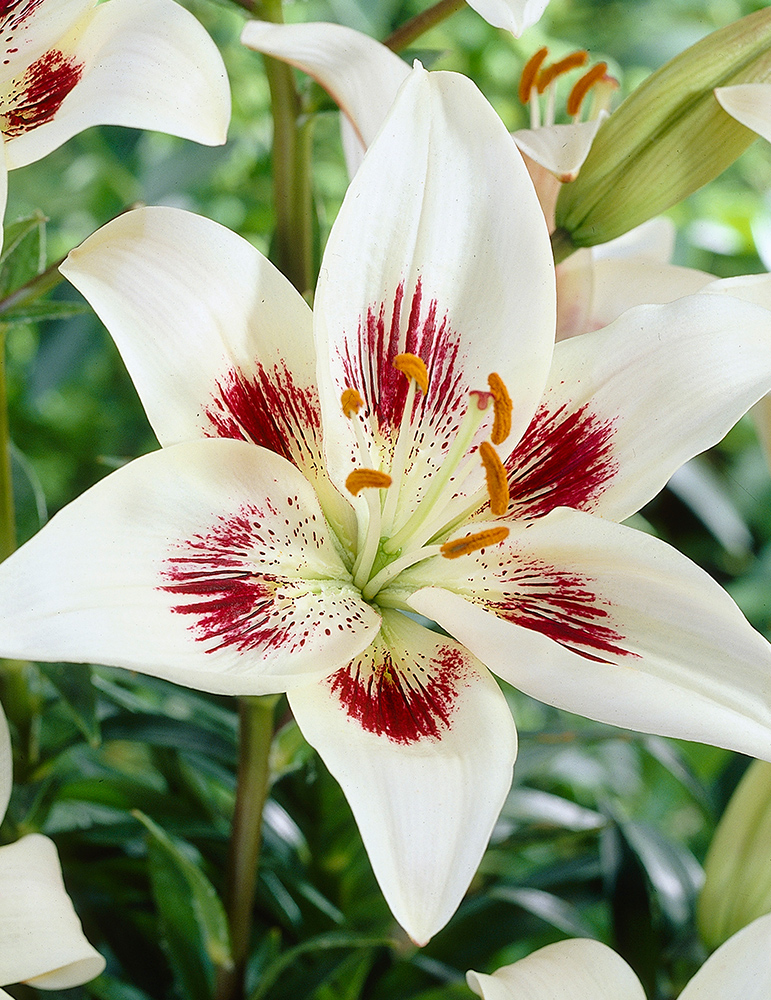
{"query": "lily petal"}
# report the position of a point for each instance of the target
(42, 939)
(739, 970)
(579, 969)
(141, 63)
(750, 104)
(361, 75)
(6, 775)
(515, 15)
(610, 623)
(440, 249)
(628, 405)
(208, 563)
(31, 27)
(422, 741)
(561, 149)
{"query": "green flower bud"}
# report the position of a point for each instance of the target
(668, 138)
(737, 888)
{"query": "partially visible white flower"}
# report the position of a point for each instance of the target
(750, 104)
(41, 940)
(514, 15)
(582, 969)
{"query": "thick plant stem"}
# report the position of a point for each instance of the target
(562, 246)
(256, 734)
(416, 26)
(291, 168)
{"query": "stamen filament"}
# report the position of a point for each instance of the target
(392, 570)
(404, 441)
(369, 546)
(496, 478)
(473, 543)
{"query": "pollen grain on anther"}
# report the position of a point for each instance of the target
(503, 407)
(583, 85)
(495, 478)
(413, 367)
(362, 479)
(351, 402)
(473, 543)
(562, 66)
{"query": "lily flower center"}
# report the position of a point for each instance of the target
(384, 550)
(539, 79)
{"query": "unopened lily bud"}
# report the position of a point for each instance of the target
(668, 138)
(737, 889)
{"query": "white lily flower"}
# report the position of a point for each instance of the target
(70, 64)
(582, 969)
(41, 939)
(380, 469)
(514, 15)
(750, 104)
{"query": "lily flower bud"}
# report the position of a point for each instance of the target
(668, 138)
(737, 888)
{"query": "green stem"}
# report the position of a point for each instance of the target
(291, 168)
(256, 733)
(562, 245)
(416, 26)
(33, 289)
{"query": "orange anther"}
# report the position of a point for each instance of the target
(556, 69)
(530, 72)
(351, 402)
(502, 406)
(362, 479)
(473, 543)
(413, 367)
(495, 476)
(582, 87)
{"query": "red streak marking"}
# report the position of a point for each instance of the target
(405, 704)
(39, 94)
(561, 606)
(565, 459)
(369, 366)
(231, 604)
(14, 12)
(267, 409)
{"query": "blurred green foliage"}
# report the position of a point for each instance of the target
(603, 832)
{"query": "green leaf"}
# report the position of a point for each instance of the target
(24, 252)
(548, 907)
(191, 912)
(37, 312)
(77, 693)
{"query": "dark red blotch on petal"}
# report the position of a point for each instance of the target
(561, 605)
(36, 96)
(564, 459)
(267, 408)
(405, 703)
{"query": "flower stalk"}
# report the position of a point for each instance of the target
(421, 23)
(256, 734)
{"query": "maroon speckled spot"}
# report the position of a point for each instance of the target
(562, 606)
(564, 459)
(368, 363)
(36, 97)
(15, 12)
(403, 702)
(269, 409)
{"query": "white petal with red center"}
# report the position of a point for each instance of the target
(750, 104)
(608, 622)
(739, 970)
(562, 149)
(419, 735)
(41, 939)
(361, 75)
(28, 28)
(627, 405)
(209, 563)
(515, 15)
(440, 249)
(579, 969)
(141, 63)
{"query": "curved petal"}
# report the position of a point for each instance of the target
(652, 240)
(361, 75)
(739, 970)
(440, 249)
(6, 774)
(579, 969)
(562, 149)
(142, 63)
(41, 939)
(421, 739)
(750, 104)
(608, 622)
(515, 15)
(208, 563)
(28, 28)
(627, 405)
